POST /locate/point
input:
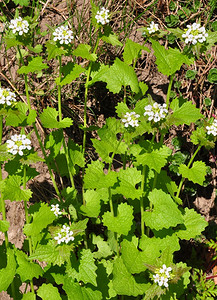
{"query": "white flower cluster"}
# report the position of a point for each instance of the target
(19, 26)
(130, 119)
(18, 143)
(102, 16)
(63, 35)
(212, 129)
(65, 235)
(155, 112)
(195, 33)
(7, 97)
(56, 210)
(152, 28)
(162, 276)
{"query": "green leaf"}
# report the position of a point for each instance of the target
(118, 75)
(53, 50)
(82, 293)
(86, 268)
(21, 2)
(48, 292)
(35, 65)
(125, 283)
(7, 274)
(109, 37)
(212, 76)
(4, 225)
(108, 142)
(165, 213)
(156, 159)
(83, 50)
(169, 61)
(26, 269)
(31, 158)
(29, 296)
(70, 72)
(4, 155)
(194, 224)
(122, 222)
(152, 249)
(18, 116)
(199, 137)
(104, 249)
(41, 219)
(53, 142)
(186, 114)
(92, 204)
(75, 154)
(52, 254)
(128, 179)
(49, 119)
(132, 51)
(96, 178)
(196, 173)
(12, 190)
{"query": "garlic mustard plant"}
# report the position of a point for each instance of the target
(65, 235)
(102, 16)
(162, 276)
(19, 26)
(155, 112)
(131, 119)
(153, 28)
(7, 97)
(17, 144)
(56, 210)
(195, 33)
(212, 129)
(63, 35)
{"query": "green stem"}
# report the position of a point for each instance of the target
(143, 184)
(60, 119)
(25, 79)
(86, 96)
(189, 164)
(27, 221)
(169, 89)
(48, 164)
(59, 89)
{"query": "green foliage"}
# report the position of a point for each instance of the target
(48, 291)
(83, 51)
(35, 65)
(118, 75)
(196, 173)
(49, 119)
(7, 273)
(12, 189)
(70, 72)
(169, 61)
(21, 2)
(132, 51)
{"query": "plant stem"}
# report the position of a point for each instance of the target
(36, 131)
(27, 220)
(85, 97)
(25, 79)
(189, 164)
(48, 164)
(60, 119)
(169, 89)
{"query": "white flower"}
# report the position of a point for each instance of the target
(212, 129)
(56, 210)
(65, 235)
(162, 276)
(63, 35)
(155, 112)
(152, 28)
(7, 97)
(19, 26)
(195, 33)
(102, 16)
(130, 119)
(17, 144)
